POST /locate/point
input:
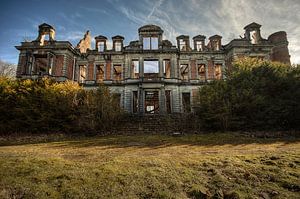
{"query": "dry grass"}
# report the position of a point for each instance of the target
(224, 165)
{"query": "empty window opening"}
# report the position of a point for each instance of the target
(151, 102)
(168, 101)
(99, 73)
(40, 65)
(150, 43)
(117, 99)
(184, 72)
(216, 44)
(151, 68)
(182, 44)
(135, 69)
(100, 46)
(199, 45)
(218, 71)
(51, 65)
(167, 68)
(117, 72)
(135, 102)
(118, 46)
(186, 102)
(201, 72)
(254, 37)
(82, 73)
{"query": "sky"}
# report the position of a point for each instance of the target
(19, 19)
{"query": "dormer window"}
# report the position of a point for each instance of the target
(118, 46)
(182, 44)
(150, 43)
(101, 45)
(199, 45)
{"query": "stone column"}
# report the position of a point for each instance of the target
(160, 67)
(141, 67)
(141, 100)
(162, 100)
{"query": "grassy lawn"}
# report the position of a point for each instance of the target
(224, 165)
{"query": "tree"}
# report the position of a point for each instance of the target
(7, 69)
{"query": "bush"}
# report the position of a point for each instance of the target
(257, 95)
(47, 106)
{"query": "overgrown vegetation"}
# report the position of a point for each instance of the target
(216, 165)
(47, 106)
(256, 95)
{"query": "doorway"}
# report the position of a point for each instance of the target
(151, 102)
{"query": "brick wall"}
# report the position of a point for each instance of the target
(90, 70)
(108, 70)
(211, 70)
(59, 63)
(193, 69)
(21, 66)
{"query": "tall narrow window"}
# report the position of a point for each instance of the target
(100, 46)
(168, 101)
(154, 43)
(186, 102)
(135, 69)
(182, 45)
(135, 102)
(99, 73)
(117, 72)
(118, 46)
(199, 45)
(146, 43)
(218, 71)
(82, 73)
(167, 68)
(201, 72)
(184, 72)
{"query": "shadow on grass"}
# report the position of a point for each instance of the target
(160, 141)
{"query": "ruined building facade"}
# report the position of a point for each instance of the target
(150, 75)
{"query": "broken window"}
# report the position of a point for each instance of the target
(117, 72)
(118, 46)
(168, 101)
(199, 45)
(186, 102)
(167, 68)
(40, 65)
(201, 72)
(117, 99)
(135, 102)
(99, 73)
(184, 71)
(254, 37)
(150, 43)
(51, 65)
(182, 45)
(135, 69)
(100, 46)
(151, 68)
(216, 44)
(151, 102)
(218, 71)
(82, 73)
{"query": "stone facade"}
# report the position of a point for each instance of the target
(150, 75)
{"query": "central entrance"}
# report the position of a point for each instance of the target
(151, 102)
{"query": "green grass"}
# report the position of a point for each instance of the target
(224, 165)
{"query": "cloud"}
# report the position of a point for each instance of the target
(226, 17)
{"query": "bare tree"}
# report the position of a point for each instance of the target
(7, 69)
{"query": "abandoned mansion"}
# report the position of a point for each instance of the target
(150, 75)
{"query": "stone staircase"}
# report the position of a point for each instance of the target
(154, 124)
